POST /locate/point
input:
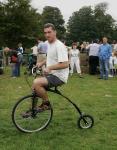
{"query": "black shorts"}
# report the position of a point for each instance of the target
(53, 81)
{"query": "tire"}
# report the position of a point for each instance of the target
(85, 122)
(33, 123)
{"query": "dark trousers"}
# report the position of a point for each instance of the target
(93, 64)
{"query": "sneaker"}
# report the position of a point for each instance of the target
(27, 114)
(110, 76)
(44, 106)
(14, 77)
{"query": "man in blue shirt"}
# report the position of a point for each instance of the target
(105, 51)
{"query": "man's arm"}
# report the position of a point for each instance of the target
(61, 65)
(110, 50)
(40, 64)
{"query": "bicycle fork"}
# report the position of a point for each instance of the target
(34, 104)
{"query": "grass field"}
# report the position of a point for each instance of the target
(95, 97)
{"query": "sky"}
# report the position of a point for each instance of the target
(67, 7)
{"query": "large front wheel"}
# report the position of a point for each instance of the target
(36, 121)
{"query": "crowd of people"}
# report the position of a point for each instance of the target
(102, 57)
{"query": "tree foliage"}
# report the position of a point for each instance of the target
(88, 23)
(19, 22)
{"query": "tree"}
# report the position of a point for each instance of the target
(88, 23)
(54, 16)
(2, 24)
(81, 25)
(20, 23)
(103, 21)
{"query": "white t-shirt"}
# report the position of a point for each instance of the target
(74, 53)
(115, 47)
(93, 49)
(56, 53)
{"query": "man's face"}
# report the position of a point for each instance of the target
(105, 40)
(50, 34)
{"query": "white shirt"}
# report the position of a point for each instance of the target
(115, 47)
(93, 49)
(112, 62)
(35, 50)
(74, 53)
(56, 53)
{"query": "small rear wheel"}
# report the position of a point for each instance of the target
(85, 122)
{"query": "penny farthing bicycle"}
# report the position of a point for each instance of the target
(38, 121)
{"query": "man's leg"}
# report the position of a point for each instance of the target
(101, 69)
(96, 64)
(106, 66)
(13, 69)
(91, 65)
(38, 86)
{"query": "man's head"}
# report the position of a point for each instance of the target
(96, 41)
(105, 40)
(50, 32)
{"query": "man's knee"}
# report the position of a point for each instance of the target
(40, 82)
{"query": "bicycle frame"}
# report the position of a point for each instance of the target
(56, 91)
(84, 121)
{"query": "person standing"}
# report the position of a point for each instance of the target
(105, 52)
(34, 53)
(35, 50)
(115, 45)
(13, 62)
(74, 55)
(42, 50)
(20, 57)
(93, 57)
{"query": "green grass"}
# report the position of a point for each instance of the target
(95, 97)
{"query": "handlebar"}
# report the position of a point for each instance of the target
(37, 71)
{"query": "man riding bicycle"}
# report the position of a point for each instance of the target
(56, 71)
